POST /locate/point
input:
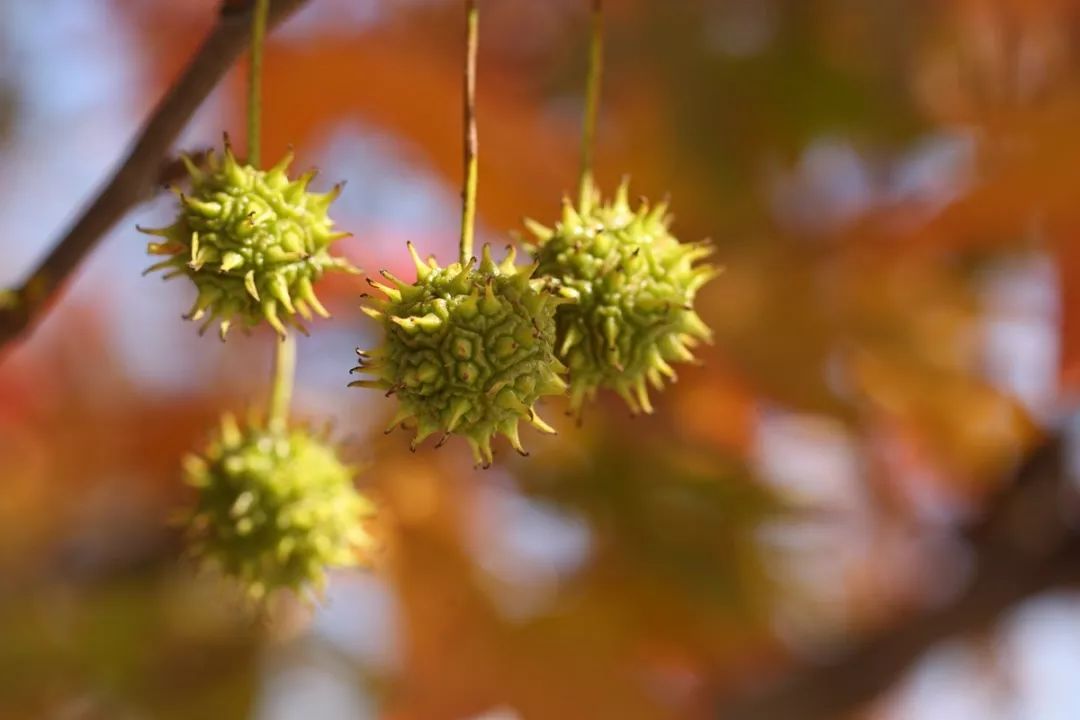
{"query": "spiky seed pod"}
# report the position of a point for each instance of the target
(253, 242)
(633, 285)
(468, 351)
(275, 508)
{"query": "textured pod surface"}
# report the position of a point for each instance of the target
(632, 284)
(275, 508)
(468, 351)
(253, 242)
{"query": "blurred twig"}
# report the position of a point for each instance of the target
(141, 170)
(1027, 542)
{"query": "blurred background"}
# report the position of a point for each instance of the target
(892, 188)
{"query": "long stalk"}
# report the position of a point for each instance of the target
(468, 213)
(282, 386)
(254, 109)
(284, 369)
(592, 105)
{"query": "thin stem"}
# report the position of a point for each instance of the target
(254, 109)
(468, 213)
(592, 104)
(282, 387)
(285, 349)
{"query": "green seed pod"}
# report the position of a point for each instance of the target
(468, 351)
(275, 508)
(632, 284)
(252, 241)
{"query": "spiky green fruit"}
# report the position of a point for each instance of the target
(468, 351)
(253, 242)
(632, 284)
(275, 507)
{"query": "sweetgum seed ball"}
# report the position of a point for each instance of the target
(468, 351)
(252, 242)
(632, 286)
(275, 508)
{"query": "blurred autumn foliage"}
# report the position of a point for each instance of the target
(891, 186)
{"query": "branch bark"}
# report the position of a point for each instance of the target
(139, 173)
(1027, 542)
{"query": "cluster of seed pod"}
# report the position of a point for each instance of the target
(469, 349)
(608, 301)
(274, 506)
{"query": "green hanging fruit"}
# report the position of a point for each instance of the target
(632, 284)
(275, 507)
(252, 241)
(468, 351)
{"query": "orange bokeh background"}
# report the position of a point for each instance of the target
(890, 187)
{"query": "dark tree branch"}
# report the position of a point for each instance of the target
(140, 171)
(1026, 543)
